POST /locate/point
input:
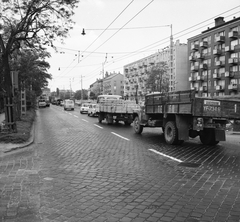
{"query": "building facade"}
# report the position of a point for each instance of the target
(113, 84)
(136, 73)
(214, 55)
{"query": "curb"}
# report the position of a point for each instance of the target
(14, 147)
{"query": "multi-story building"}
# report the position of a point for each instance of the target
(113, 84)
(136, 73)
(214, 57)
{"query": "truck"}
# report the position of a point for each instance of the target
(115, 110)
(182, 115)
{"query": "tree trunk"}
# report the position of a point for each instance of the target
(7, 85)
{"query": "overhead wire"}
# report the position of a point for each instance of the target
(176, 35)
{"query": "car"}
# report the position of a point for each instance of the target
(93, 110)
(68, 104)
(84, 108)
(42, 103)
(61, 103)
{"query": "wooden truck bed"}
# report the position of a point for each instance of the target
(185, 102)
(117, 106)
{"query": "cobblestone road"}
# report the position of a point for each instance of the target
(75, 171)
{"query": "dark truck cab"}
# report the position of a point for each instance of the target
(182, 115)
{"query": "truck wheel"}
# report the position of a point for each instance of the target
(171, 133)
(136, 125)
(109, 119)
(207, 137)
(100, 118)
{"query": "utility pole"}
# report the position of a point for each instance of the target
(82, 90)
(103, 71)
(171, 54)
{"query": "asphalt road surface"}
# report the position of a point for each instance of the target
(81, 170)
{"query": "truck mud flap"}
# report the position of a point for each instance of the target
(220, 135)
(183, 127)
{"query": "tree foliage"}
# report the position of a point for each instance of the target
(158, 78)
(32, 69)
(32, 24)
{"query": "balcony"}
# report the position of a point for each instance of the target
(203, 44)
(191, 79)
(199, 56)
(220, 63)
(203, 88)
(203, 66)
(228, 49)
(194, 68)
(220, 39)
(233, 87)
(200, 78)
(192, 58)
(195, 47)
(216, 76)
(233, 60)
(217, 51)
(219, 88)
(233, 35)
(194, 88)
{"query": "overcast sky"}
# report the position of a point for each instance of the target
(119, 32)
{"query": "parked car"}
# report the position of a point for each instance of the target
(68, 104)
(61, 103)
(42, 103)
(84, 108)
(93, 110)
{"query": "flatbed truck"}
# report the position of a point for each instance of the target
(182, 115)
(115, 110)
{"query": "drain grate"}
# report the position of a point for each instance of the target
(189, 164)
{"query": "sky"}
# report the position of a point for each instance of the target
(119, 32)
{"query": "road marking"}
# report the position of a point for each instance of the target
(120, 136)
(162, 154)
(75, 116)
(84, 120)
(98, 126)
(70, 113)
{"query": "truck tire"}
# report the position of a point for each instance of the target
(136, 125)
(207, 137)
(100, 117)
(109, 119)
(171, 133)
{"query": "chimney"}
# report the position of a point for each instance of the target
(219, 21)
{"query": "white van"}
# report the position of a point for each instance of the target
(68, 104)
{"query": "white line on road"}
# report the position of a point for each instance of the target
(120, 136)
(84, 120)
(162, 154)
(98, 126)
(70, 113)
(75, 116)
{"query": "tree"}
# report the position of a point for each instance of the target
(158, 78)
(31, 24)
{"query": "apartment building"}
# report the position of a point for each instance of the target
(113, 84)
(214, 57)
(136, 73)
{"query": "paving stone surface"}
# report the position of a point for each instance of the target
(75, 171)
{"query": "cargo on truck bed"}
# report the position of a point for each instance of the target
(182, 115)
(116, 110)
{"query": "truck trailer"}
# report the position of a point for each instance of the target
(182, 115)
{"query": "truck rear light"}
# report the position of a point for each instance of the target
(199, 123)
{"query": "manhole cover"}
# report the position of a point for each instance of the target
(189, 164)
